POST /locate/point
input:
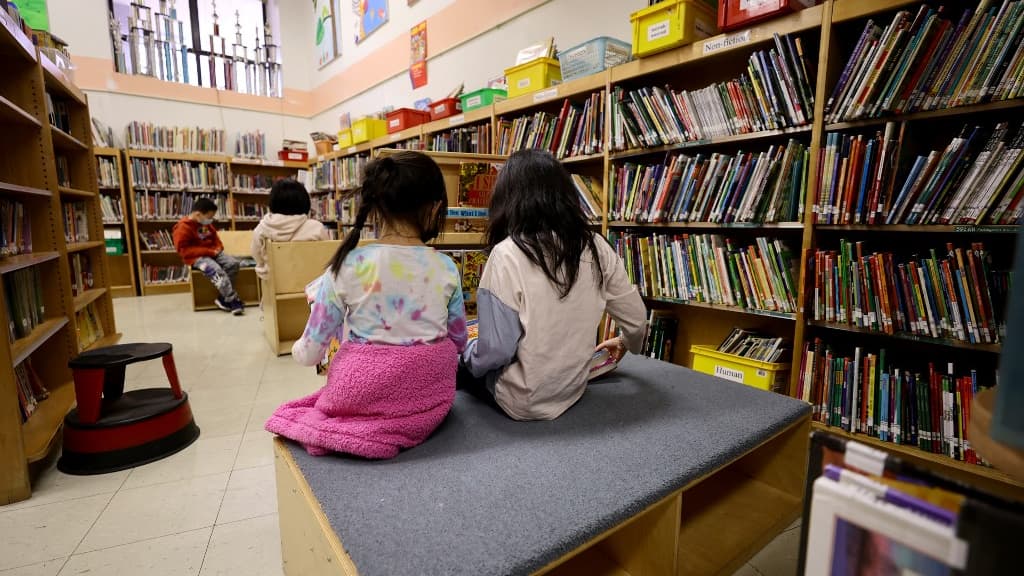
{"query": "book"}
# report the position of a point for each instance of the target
(476, 182)
(26, 307)
(156, 240)
(152, 274)
(76, 222)
(107, 174)
(89, 328)
(577, 130)
(102, 135)
(473, 262)
(749, 344)
(251, 144)
(81, 273)
(661, 335)
(591, 195)
(15, 228)
(148, 136)
(467, 139)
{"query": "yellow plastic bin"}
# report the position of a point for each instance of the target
(672, 23)
(763, 375)
(344, 138)
(534, 75)
(366, 129)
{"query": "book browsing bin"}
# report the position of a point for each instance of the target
(116, 210)
(163, 186)
(47, 168)
(778, 235)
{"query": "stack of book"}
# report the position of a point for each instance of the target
(15, 228)
(469, 139)
(252, 183)
(747, 344)
(76, 222)
(151, 205)
(146, 136)
(350, 171)
(865, 393)
(251, 145)
(25, 304)
(102, 135)
(578, 130)
(81, 273)
(159, 174)
(111, 208)
(591, 194)
(164, 274)
(325, 176)
(248, 210)
(158, 240)
(748, 187)
(106, 169)
(977, 178)
(956, 296)
(710, 268)
(90, 330)
(931, 60)
(775, 92)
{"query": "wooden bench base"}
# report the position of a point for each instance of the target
(711, 526)
(247, 284)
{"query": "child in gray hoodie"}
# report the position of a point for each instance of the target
(288, 221)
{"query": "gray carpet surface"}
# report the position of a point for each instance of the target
(488, 495)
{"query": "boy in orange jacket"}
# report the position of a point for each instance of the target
(197, 243)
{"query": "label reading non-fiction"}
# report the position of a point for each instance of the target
(545, 95)
(658, 30)
(727, 41)
(459, 119)
(351, 149)
(523, 83)
(728, 373)
(474, 101)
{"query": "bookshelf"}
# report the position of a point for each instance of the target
(251, 180)
(116, 220)
(829, 33)
(49, 323)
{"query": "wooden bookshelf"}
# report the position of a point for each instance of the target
(28, 174)
(272, 169)
(123, 271)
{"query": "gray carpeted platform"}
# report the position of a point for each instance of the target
(488, 495)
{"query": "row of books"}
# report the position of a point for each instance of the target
(932, 59)
(160, 174)
(746, 187)
(63, 171)
(106, 171)
(102, 135)
(660, 336)
(164, 274)
(251, 145)
(591, 193)
(416, 143)
(81, 273)
(350, 171)
(774, 92)
(955, 295)
(26, 308)
(253, 183)
(152, 205)
(89, 327)
(468, 139)
(248, 210)
(577, 130)
(147, 136)
(31, 390)
(156, 240)
(752, 345)
(471, 267)
(57, 111)
(325, 208)
(710, 268)
(76, 222)
(111, 209)
(867, 393)
(325, 175)
(15, 228)
(977, 178)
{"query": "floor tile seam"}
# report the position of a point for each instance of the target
(163, 482)
(142, 541)
(92, 525)
(62, 501)
(256, 517)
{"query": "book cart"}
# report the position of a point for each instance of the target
(54, 323)
(113, 194)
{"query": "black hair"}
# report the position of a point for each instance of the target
(204, 205)
(289, 197)
(405, 187)
(535, 203)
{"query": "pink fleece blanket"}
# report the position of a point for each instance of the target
(378, 400)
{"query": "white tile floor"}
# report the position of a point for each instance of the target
(212, 508)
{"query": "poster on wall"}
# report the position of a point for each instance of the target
(418, 51)
(370, 16)
(324, 32)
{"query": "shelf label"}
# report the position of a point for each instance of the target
(457, 119)
(273, 162)
(728, 373)
(395, 136)
(545, 95)
(968, 228)
(351, 150)
(728, 41)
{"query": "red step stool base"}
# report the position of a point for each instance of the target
(139, 427)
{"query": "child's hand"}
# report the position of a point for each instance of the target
(615, 347)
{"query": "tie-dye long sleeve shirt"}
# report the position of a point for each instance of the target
(385, 294)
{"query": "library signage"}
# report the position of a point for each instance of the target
(725, 42)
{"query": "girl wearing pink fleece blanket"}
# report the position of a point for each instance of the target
(392, 381)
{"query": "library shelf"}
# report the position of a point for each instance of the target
(104, 151)
(11, 263)
(75, 192)
(156, 220)
(475, 116)
(88, 297)
(267, 163)
(999, 105)
(108, 340)
(113, 222)
(396, 137)
(80, 246)
(254, 192)
(809, 19)
(587, 158)
(23, 190)
(186, 156)
(13, 114)
(717, 141)
(23, 347)
(708, 225)
(64, 141)
(40, 431)
(922, 228)
(13, 42)
(944, 463)
(723, 307)
(122, 291)
(341, 153)
(573, 88)
(55, 79)
(249, 219)
(290, 296)
(158, 252)
(992, 348)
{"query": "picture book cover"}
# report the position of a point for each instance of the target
(476, 182)
(473, 262)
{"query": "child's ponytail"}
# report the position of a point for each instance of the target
(375, 177)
